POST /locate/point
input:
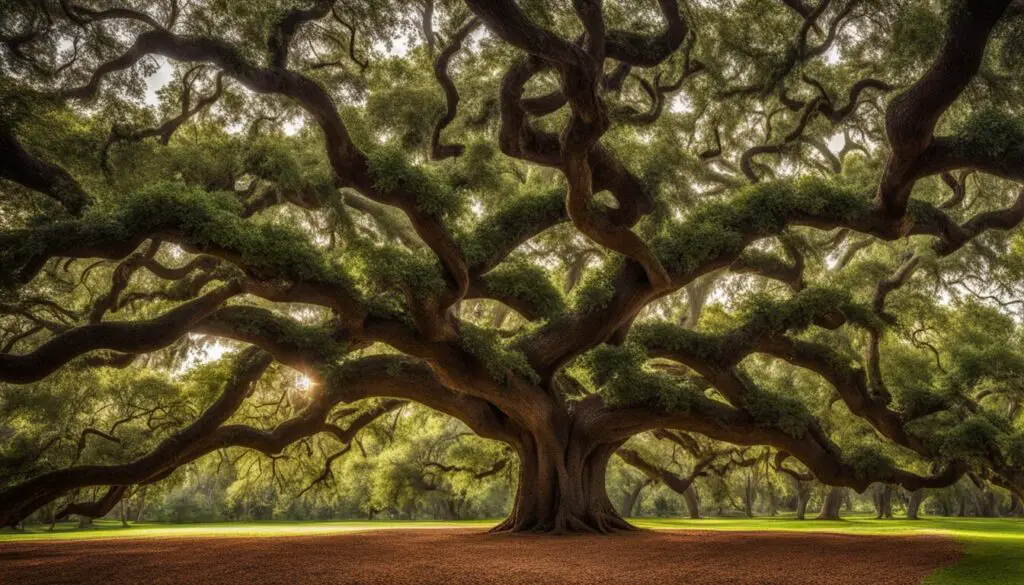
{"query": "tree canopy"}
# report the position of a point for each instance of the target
(260, 227)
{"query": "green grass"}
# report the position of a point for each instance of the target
(103, 529)
(993, 549)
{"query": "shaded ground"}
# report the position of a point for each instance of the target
(463, 557)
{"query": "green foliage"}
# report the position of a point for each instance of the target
(766, 315)
(511, 222)
(495, 356)
(917, 35)
(914, 402)
(867, 461)
(619, 373)
(208, 222)
(598, 287)
(676, 339)
(721, 230)
(390, 268)
(526, 282)
(775, 411)
(990, 132)
(316, 341)
(392, 173)
(974, 439)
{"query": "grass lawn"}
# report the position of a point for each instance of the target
(113, 529)
(993, 549)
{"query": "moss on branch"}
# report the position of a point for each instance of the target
(516, 220)
(206, 222)
(392, 172)
(494, 355)
(618, 373)
(528, 285)
(990, 132)
(319, 342)
(723, 229)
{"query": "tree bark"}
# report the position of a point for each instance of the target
(142, 504)
(914, 504)
(803, 496)
(562, 489)
(122, 512)
(1016, 506)
(881, 496)
(748, 497)
(632, 497)
(801, 506)
(832, 504)
(692, 503)
(988, 504)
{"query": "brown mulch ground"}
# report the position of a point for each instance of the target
(463, 557)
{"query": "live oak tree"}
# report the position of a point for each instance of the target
(772, 223)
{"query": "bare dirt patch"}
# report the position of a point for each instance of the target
(464, 557)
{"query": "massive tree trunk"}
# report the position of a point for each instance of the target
(831, 505)
(562, 488)
(914, 504)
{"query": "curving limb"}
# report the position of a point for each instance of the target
(439, 151)
(22, 167)
(912, 115)
(125, 336)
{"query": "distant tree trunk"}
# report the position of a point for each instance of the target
(51, 511)
(452, 509)
(123, 513)
(84, 522)
(831, 505)
(961, 506)
(988, 504)
(803, 496)
(1016, 506)
(773, 500)
(692, 503)
(914, 504)
(748, 497)
(142, 504)
(881, 496)
(801, 506)
(632, 497)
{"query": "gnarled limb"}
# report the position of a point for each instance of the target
(20, 166)
(439, 151)
(124, 336)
